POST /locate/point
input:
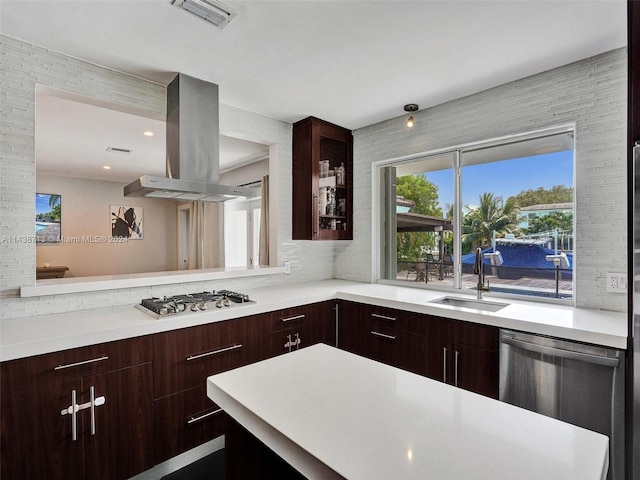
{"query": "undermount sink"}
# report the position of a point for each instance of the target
(468, 303)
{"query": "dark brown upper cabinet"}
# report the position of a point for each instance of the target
(322, 181)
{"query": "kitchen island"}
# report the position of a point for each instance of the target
(332, 414)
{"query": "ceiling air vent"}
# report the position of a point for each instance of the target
(210, 10)
(118, 150)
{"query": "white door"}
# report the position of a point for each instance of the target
(242, 232)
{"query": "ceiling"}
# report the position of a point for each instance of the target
(77, 139)
(353, 63)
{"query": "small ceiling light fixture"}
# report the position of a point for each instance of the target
(148, 133)
(410, 108)
(210, 10)
(106, 167)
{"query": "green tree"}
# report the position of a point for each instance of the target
(422, 191)
(493, 215)
(55, 213)
(411, 245)
(54, 203)
(542, 196)
(551, 221)
(54, 200)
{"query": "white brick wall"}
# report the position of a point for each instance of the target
(591, 93)
(23, 68)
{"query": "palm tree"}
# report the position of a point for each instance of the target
(491, 216)
(53, 200)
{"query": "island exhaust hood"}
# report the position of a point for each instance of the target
(193, 148)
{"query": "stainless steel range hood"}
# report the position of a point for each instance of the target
(193, 148)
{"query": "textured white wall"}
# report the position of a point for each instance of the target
(591, 93)
(24, 67)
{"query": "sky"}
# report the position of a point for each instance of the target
(506, 178)
(42, 203)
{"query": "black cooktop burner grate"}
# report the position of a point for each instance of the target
(180, 303)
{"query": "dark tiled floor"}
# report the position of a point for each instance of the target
(210, 467)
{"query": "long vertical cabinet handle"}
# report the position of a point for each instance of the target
(74, 416)
(73, 411)
(455, 372)
(337, 316)
(315, 215)
(92, 399)
(444, 365)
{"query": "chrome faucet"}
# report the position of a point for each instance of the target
(478, 269)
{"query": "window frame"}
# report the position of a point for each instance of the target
(378, 210)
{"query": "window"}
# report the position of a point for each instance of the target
(242, 233)
(512, 197)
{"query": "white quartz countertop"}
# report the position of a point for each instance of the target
(326, 411)
(23, 337)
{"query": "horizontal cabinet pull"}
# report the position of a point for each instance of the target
(202, 417)
(84, 362)
(383, 335)
(215, 352)
(295, 317)
(383, 317)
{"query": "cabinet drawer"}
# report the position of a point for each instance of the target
(380, 316)
(184, 421)
(285, 319)
(388, 316)
(183, 359)
(54, 368)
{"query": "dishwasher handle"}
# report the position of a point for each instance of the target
(561, 352)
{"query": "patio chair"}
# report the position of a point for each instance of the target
(433, 266)
(412, 268)
(447, 265)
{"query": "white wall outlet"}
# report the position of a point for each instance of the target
(616, 283)
(287, 268)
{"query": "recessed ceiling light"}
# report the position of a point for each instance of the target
(106, 167)
(148, 133)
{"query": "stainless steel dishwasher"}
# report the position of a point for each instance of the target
(574, 382)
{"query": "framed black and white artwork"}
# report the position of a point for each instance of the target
(126, 222)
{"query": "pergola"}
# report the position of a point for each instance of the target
(414, 222)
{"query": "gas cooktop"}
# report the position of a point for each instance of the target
(192, 303)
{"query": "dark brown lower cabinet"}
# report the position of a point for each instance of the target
(475, 369)
(36, 440)
(462, 354)
(120, 446)
(112, 440)
(474, 358)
